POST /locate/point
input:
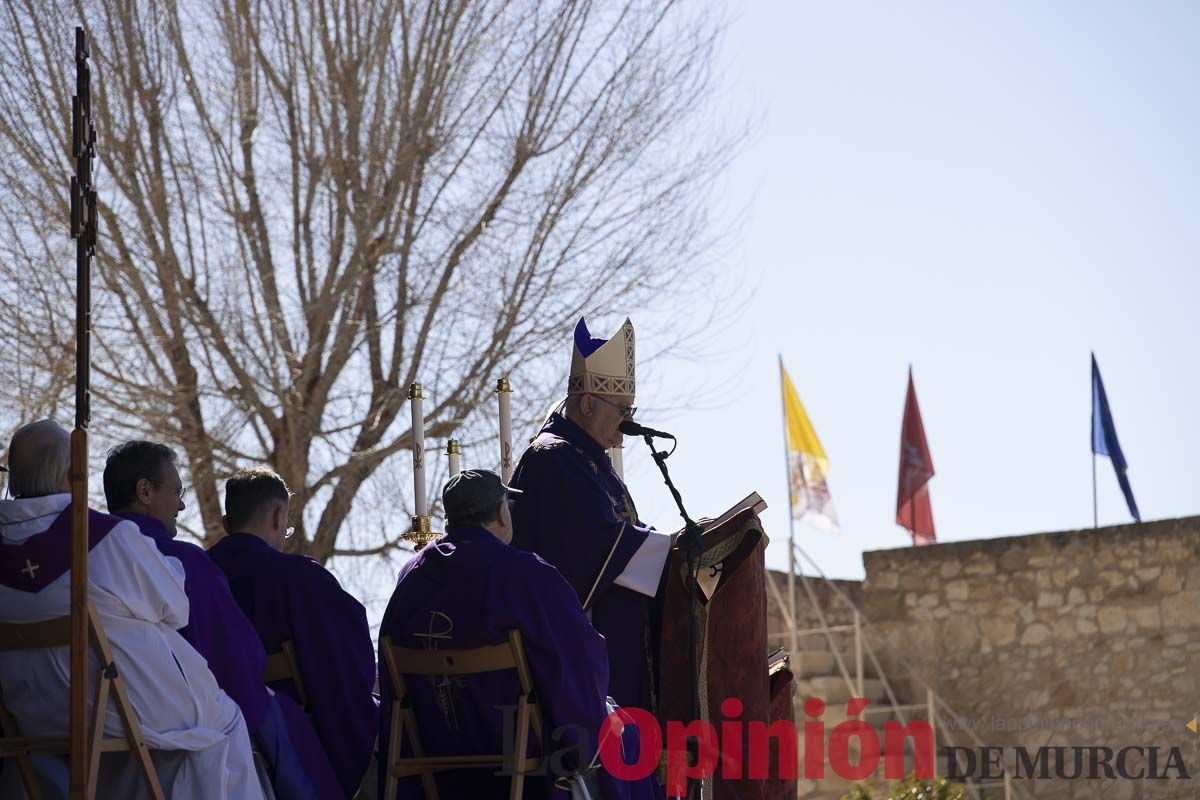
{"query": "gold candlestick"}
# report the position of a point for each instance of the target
(422, 532)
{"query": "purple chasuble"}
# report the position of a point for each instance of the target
(468, 590)
(290, 597)
(43, 558)
(577, 514)
(216, 627)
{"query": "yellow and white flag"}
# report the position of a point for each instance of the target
(808, 467)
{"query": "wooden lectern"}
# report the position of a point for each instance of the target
(732, 607)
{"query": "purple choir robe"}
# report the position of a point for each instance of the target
(290, 597)
(468, 589)
(221, 633)
(577, 514)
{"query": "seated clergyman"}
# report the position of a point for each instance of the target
(140, 598)
(290, 597)
(142, 485)
(466, 590)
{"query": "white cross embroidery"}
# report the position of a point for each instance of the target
(30, 568)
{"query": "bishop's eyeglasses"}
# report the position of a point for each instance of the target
(626, 411)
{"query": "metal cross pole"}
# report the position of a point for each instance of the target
(83, 230)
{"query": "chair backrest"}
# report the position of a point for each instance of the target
(35, 635)
(27, 636)
(491, 658)
(17, 636)
(285, 665)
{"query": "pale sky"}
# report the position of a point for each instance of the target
(988, 191)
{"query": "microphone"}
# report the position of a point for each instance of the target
(631, 428)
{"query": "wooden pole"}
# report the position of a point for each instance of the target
(83, 230)
(79, 632)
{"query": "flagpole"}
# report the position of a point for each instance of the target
(1092, 438)
(787, 473)
(912, 501)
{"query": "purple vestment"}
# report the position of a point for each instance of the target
(220, 632)
(216, 627)
(290, 597)
(577, 514)
(468, 590)
(42, 559)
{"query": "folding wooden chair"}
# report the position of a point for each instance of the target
(53, 633)
(402, 661)
(285, 666)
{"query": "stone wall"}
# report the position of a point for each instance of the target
(1084, 638)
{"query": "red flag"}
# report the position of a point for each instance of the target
(916, 468)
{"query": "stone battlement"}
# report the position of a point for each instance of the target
(1074, 638)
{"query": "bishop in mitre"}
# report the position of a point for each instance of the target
(577, 514)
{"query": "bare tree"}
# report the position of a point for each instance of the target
(307, 206)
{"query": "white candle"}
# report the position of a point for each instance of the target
(616, 454)
(418, 439)
(455, 457)
(504, 392)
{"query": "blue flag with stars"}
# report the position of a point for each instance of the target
(1104, 438)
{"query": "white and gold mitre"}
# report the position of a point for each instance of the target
(600, 366)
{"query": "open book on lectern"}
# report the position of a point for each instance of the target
(751, 501)
(709, 578)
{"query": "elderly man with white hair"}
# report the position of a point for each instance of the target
(139, 596)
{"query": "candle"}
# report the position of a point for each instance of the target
(454, 454)
(504, 392)
(418, 449)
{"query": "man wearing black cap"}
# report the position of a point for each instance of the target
(466, 590)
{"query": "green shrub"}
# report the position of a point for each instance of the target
(913, 789)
